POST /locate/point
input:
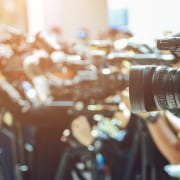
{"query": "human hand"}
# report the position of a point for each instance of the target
(81, 130)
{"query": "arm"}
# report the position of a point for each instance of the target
(165, 139)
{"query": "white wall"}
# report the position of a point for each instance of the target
(147, 18)
(150, 18)
(35, 15)
(74, 14)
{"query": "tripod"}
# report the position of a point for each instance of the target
(136, 160)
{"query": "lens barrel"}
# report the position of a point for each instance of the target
(154, 88)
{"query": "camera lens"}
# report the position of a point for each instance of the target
(166, 87)
(154, 88)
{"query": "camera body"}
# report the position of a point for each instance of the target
(153, 88)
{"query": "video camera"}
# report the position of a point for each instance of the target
(154, 87)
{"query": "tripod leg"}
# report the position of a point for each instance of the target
(64, 167)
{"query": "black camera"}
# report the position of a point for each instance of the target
(153, 87)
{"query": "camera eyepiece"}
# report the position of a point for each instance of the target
(154, 88)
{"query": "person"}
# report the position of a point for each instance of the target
(164, 127)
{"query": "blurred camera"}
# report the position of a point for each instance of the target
(154, 88)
